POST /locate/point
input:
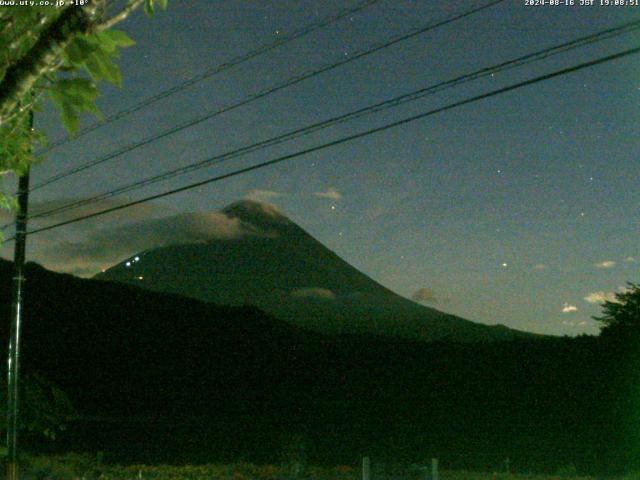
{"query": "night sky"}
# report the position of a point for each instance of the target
(521, 209)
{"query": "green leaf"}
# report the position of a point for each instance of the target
(148, 7)
(78, 91)
(80, 48)
(101, 67)
(74, 53)
(163, 4)
(110, 40)
(105, 43)
(119, 38)
(8, 202)
(70, 118)
(73, 96)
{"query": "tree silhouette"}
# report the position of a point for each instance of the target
(621, 317)
(46, 409)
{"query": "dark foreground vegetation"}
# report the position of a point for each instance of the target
(157, 378)
(74, 466)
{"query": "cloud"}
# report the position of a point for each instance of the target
(330, 193)
(136, 212)
(606, 264)
(569, 323)
(425, 295)
(540, 266)
(601, 297)
(631, 260)
(262, 195)
(313, 292)
(41, 246)
(100, 248)
(566, 308)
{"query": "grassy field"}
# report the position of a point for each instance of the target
(78, 467)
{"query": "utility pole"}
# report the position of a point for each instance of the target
(16, 319)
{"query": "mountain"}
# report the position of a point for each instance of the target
(278, 267)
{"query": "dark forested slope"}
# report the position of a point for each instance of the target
(158, 377)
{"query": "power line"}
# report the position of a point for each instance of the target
(312, 27)
(342, 140)
(393, 102)
(264, 93)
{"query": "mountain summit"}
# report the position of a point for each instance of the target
(256, 213)
(285, 271)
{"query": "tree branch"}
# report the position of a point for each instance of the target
(120, 16)
(20, 77)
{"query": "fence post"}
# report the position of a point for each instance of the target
(366, 468)
(434, 469)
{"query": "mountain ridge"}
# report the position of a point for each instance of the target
(280, 268)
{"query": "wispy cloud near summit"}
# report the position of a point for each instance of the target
(330, 193)
(606, 264)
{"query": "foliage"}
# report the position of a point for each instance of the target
(94, 54)
(45, 408)
(57, 52)
(82, 466)
(622, 316)
(78, 466)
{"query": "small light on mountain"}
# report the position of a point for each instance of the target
(505, 265)
(136, 259)
(140, 277)
(128, 264)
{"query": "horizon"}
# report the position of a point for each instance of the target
(193, 226)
